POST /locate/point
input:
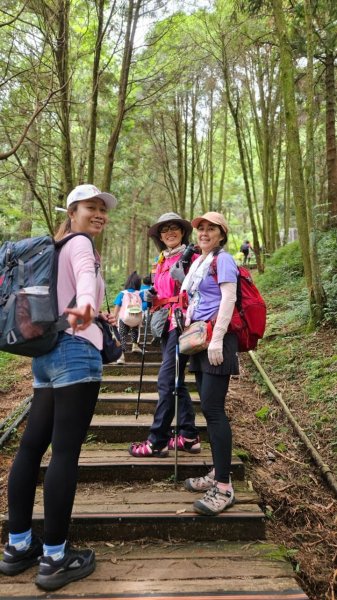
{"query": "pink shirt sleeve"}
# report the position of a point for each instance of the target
(77, 277)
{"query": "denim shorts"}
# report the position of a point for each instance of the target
(73, 360)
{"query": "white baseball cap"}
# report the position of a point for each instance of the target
(87, 191)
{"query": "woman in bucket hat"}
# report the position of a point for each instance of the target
(211, 285)
(66, 386)
(170, 234)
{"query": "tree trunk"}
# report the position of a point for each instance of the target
(62, 64)
(331, 151)
(25, 226)
(210, 147)
(223, 155)
(131, 262)
(234, 112)
(94, 92)
(132, 20)
(180, 147)
(294, 149)
(319, 294)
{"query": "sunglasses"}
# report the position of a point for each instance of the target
(171, 227)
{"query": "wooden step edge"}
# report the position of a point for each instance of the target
(135, 379)
(132, 397)
(241, 525)
(107, 516)
(28, 593)
(130, 473)
(99, 423)
(121, 366)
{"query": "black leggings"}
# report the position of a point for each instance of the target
(59, 417)
(212, 391)
(123, 332)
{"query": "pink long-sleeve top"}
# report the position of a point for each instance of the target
(77, 276)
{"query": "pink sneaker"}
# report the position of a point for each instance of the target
(191, 446)
(145, 449)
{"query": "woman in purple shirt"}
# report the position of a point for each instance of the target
(211, 285)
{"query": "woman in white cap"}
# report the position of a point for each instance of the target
(170, 234)
(211, 285)
(66, 386)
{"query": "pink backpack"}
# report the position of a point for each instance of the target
(131, 309)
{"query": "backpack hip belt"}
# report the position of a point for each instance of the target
(180, 299)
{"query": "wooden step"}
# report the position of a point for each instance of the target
(130, 383)
(109, 462)
(214, 570)
(126, 428)
(125, 402)
(136, 357)
(110, 512)
(131, 368)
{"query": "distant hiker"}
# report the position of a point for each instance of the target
(128, 311)
(66, 385)
(170, 234)
(245, 249)
(213, 299)
(146, 285)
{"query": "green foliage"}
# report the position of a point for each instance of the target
(283, 268)
(328, 259)
(243, 454)
(307, 361)
(8, 370)
(282, 553)
(263, 413)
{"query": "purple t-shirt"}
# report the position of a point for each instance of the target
(209, 289)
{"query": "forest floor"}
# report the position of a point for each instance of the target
(300, 508)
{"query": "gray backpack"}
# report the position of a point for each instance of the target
(29, 319)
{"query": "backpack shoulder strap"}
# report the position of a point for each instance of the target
(213, 270)
(60, 243)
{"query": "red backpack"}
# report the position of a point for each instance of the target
(250, 311)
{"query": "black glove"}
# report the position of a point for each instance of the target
(149, 295)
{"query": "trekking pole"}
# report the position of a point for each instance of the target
(176, 414)
(180, 327)
(147, 318)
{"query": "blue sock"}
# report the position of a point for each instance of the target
(56, 552)
(21, 541)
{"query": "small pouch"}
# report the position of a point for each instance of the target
(159, 322)
(41, 310)
(196, 337)
(112, 348)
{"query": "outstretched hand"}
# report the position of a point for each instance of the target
(80, 318)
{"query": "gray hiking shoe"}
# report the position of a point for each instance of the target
(75, 565)
(200, 484)
(16, 561)
(214, 502)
